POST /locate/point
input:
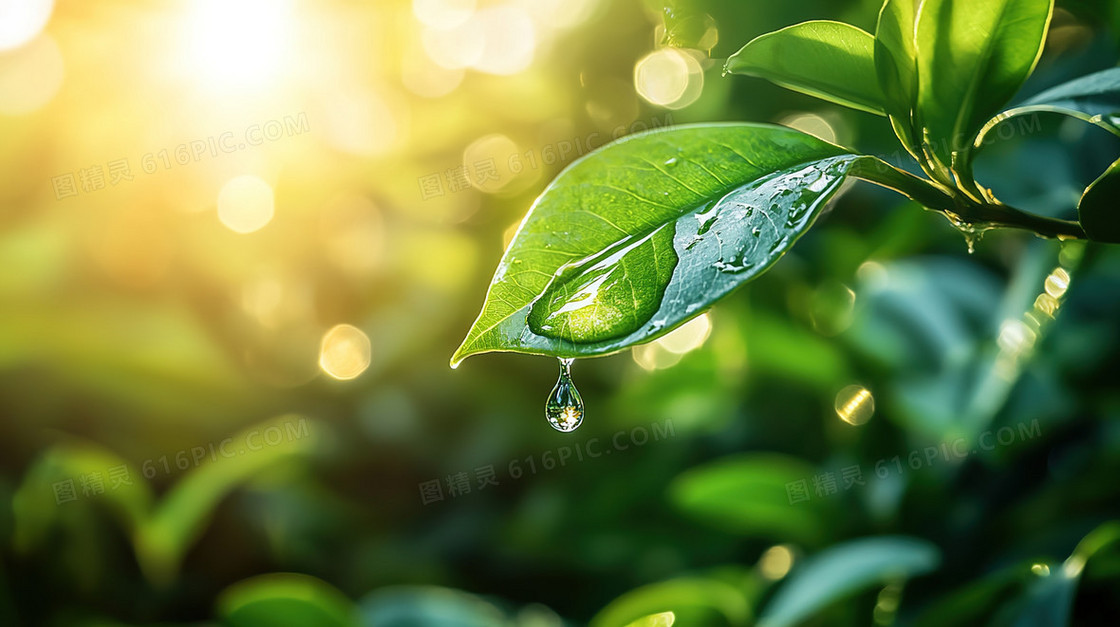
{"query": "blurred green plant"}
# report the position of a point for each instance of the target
(161, 532)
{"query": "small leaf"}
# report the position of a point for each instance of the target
(1097, 209)
(896, 63)
(663, 619)
(751, 494)
(830, 60)
(405, 606)
(691, 601)
(973, 56)
(285, 600)
(591, 270)
(178, 520)
(845, 569)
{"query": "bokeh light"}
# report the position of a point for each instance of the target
(776, 562)
(855, 405)
(344, 352)
(443, 13)
(669, 77)
(245, 204)
(22, 20)
(667, 351)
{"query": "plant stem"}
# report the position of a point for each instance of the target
(962, 211)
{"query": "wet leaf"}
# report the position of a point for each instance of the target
(642, 235)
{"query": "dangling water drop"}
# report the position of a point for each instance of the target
(564, 409)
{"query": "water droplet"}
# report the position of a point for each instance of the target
(564, 408)
(671, 161)
(756, 231)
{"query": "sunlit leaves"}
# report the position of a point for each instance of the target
(829, 60)
(896, 63)
(973, 55)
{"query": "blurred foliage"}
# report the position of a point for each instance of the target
(275, 476)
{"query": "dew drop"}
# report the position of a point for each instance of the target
(564, 408)
(671, 161)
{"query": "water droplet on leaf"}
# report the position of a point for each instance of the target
(671, 161)
(564, 408)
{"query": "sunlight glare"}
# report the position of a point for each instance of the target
(239, 43)
(22, 20)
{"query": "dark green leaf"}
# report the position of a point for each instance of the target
(406, 606)
(643, 234)
(1097, 209)
(1094, 94)
(844, 569)
(973, 55)
(750, 494)
(182, 515)
(829, 60)
(1094, 99)
(285, 600)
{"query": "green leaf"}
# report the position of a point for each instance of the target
(404, 606)
(283, 600)
(58, 475)
(1094, 98)
(1048, 600)
(1093, 94)
(830, 60)
(692, 601)
(750, 494)
(662, 619)
(634, 239)
(182, 515)
(1097, 209)
(973, 56)
(896, 63)
(845, 569)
